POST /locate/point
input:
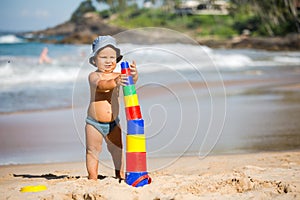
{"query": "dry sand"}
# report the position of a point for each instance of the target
(268, 175)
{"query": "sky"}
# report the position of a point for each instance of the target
(29, 15)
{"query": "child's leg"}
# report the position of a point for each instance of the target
(93, 148)
(115, 147)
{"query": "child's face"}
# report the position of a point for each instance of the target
(106, 60)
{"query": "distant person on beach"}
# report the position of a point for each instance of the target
(44, 56)
(102, 120)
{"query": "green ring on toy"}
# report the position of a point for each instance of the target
(129, 90)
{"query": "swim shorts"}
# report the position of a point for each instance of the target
(103, 127)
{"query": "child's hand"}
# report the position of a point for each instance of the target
(122, 80)
(133, 71)
(132, 67)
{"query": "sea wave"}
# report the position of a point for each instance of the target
(155, 58)
(11, 39)
(287, 59)
(13, 74)
(183, 57)
(232, 61)
(46, 86)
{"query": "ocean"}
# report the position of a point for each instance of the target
(27, 85)
(192, 94)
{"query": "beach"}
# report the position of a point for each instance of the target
(264, 175)
(219, 123)
(249, 160)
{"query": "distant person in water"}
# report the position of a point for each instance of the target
(44, 56)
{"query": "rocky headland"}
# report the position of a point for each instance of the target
(82, 31)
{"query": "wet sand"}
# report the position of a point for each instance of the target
(261, 115)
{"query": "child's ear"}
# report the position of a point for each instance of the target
(93, 61)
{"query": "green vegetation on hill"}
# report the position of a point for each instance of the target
(266, 18)
(198, 25)
(259, 18)
(84, 7)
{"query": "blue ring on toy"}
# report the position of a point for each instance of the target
(131, 177)
(135, 126)
(130, 81)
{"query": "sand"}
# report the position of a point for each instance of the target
(265, 175)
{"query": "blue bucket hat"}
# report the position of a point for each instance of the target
(101, 42)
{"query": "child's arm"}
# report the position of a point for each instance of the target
(134, 72)
(103, 85)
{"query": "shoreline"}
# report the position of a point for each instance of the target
(171, 158)
(40, 142)
(261, 175)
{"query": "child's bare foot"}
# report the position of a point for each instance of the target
(92, 178)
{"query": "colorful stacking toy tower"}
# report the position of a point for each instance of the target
(136, 166)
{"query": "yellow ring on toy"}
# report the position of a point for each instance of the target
(136, 143)
(131, 100)
(33, 188)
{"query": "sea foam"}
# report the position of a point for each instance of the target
(10, 39)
